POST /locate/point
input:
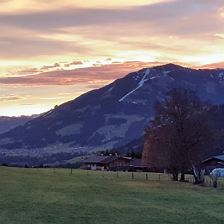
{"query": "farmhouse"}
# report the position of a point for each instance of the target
(213, 162)
(137, 165)
(106, 163)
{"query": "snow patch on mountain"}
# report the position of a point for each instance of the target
(140, 84)
(166, 72)
(154, 77)
(221, 75)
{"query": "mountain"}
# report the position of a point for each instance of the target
(109, 117)
(8, 123)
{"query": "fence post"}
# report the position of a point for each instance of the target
(146, 176)
(132, 175)
(71, 171)
(117, 174)
(215, 183)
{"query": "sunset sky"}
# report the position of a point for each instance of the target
(52, 51)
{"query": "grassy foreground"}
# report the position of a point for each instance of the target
(32, 196)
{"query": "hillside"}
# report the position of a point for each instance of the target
(8, 123)
(109, 117)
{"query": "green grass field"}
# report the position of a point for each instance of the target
(39, 196)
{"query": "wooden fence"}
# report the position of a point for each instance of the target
(140, 176)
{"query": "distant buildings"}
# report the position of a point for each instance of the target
(137, 165)
(105, 163)
(111, 163)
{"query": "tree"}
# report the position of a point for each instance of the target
(180, 134)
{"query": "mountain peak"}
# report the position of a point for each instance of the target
(169, 66)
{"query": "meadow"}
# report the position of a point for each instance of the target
(39, 196)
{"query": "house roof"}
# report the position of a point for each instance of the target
(219, 157)
(101, 159)
(109, 159)
(94, 159)
(136, 163)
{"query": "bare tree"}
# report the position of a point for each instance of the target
(180, 133)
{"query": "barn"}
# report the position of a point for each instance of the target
(106, 163)
(137, 165)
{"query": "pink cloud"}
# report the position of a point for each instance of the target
(213, 65)
(90, 75)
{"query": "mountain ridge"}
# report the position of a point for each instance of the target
(113, 115)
